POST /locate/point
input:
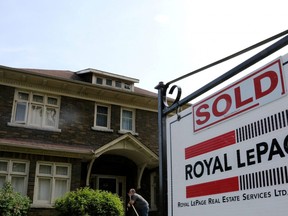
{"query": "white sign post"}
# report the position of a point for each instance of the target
(228, 154)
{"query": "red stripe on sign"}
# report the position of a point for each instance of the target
(211, 145)
(214, 187)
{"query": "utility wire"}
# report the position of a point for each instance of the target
(230, 56)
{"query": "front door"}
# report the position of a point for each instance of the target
(113, 184)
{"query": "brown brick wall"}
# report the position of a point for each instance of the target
(76, 120)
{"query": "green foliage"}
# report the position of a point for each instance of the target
(89, 202)
(13, 203)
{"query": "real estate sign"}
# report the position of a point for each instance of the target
(228, 154)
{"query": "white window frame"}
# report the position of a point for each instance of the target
(53, 177)
(124, 130)
(29, 112)
(9, 173)
(102, 128)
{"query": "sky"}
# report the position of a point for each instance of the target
(150, 40)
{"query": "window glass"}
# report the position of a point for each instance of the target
(118, 84)
(127, 86)
(18, 184)
(19, 167)
(36, 115)
(45, 169)
(38, 98)
(60, 187)
(23, 96)
(99, 80)
(102, 116)
(52, 101)
(20, 115)
(51, 117)
(62, 170)
(44, 189)
(127, 119)
(109, 82)
(3, 166)
(2, 181)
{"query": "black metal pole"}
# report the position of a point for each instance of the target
(254, 59)
(163, 198)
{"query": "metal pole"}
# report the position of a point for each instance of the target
(163, 199)
(244, 65)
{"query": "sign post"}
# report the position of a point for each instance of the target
(215, 157)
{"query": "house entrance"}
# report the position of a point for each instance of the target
(113, 184)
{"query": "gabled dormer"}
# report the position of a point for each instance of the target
(107, 79)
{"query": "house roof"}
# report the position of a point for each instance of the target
(70, 75)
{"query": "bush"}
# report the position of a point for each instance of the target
(13, 203)
(89, 202)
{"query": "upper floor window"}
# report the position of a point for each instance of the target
(16, 172)
(102, 117)
(115, 83)
(35, 109)
(127, 120)
(52, 181)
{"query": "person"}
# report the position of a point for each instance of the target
(139, 202)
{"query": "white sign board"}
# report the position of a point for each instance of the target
(228, 154)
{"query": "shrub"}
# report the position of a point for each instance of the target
(13, 203)
(89, 202)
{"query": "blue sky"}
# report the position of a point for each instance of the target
(151, 40)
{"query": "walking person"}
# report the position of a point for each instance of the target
(141, 205)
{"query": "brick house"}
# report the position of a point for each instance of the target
(61, 130)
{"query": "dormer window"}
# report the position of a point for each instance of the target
(109, 82)
(118, 84)
(99, 81)
(127, 86)
(107, 79)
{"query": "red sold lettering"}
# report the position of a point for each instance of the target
(228, 102)
(259, 92)
(238, 99)
(257, 89)
(200, 113)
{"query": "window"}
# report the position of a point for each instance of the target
(99, 80)
(109, 82)
(52, 181)
(102, 117)
(127, 86)
(16, 172)
(35, 110)
(118, 84)
(127, 120)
